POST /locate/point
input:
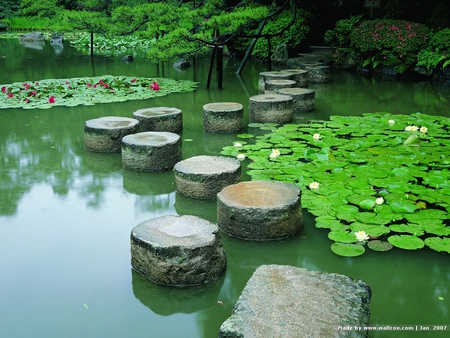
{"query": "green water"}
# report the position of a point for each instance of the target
(66, 214)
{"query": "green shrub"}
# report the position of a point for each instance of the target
(437, 54)
(339, 38)
(390, 43)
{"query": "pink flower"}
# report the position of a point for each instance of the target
(26, 100)
(10, 95)
(36, 83)
(155, 86)
(133, 80)
(88, 84)
(106, 85)
(3, 89)
(100, 82)
(51, 99)
(95, 86)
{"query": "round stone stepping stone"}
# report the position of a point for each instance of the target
(303, 99)
(204, 176)
(178, 250)
(319, 74)
(260, 210)
(104, 134)
(151, 151)
(271, 108)
(223, 117)
(159, 119)
(300, 77)
(272, 75)
(272, 86)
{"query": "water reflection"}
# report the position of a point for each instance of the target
(166, 301)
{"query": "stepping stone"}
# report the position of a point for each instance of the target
(260, 210)
(178, 250)
(223, 117)
(285, 301)
(270, 108)
(272, 75)
(303, 99)
(104, 134)
(159, 119)
(203, 177)
(300, 77)
(319, 74)
(151, 151)
(272, 86)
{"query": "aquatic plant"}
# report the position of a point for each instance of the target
(373, 173)
(87, 91)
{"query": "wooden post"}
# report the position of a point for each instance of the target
(211, 64)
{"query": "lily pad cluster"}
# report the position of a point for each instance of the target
(87, 91)
(378, 180)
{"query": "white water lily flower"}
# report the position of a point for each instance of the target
(414, 128)
(361, 236)
(274, 153)
(423, 129)
(237, 144)
(316, 136)
(391, 121)
(379, 200)
(241, 157)
(314, 185)
(408, 128)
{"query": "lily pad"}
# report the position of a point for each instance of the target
(406, 242)
(438, 244)
(342, 236)
(377, 245)
(347, 250)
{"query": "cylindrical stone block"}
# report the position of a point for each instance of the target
(273, 75)
(104, 134)
(151, 151)
(260, 210)
(300, 77)
(178, 250)
(270, 108)
(319, 74)
(272, 86)
(159, 119)
(204, 177)
(303, 99)
(223, 117)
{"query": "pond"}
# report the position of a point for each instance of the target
(66, 214)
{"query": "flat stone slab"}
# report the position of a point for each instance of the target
(159, 119)
(178, 250)
(204, 176)
(223, 117)
(270, 108)
(105, 134)
(151, 151)
(260, 210)
(288, 302)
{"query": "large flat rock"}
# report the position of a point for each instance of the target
(289, 302)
